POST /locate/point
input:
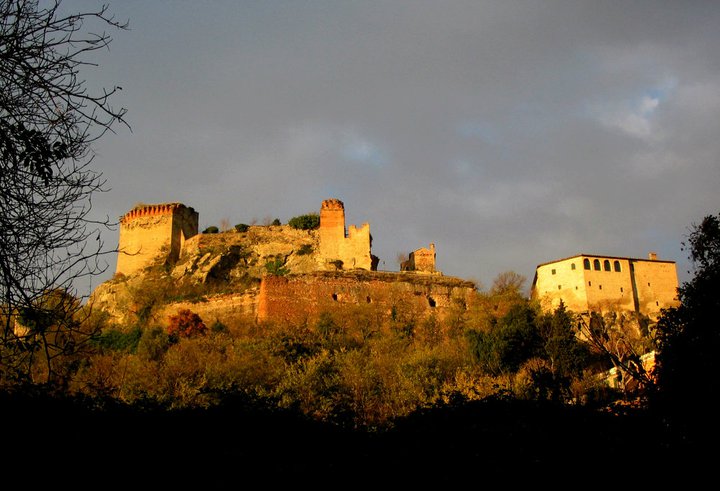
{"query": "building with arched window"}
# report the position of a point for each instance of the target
(590, 282)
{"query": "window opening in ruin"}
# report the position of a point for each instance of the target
(621, 289)
(553, 271)
(596, 264)
(367, 299)
(586, 263)
(606, 265)
(559, 287)
(617, 266)
(334, 296)
(431, 301)
(572, 266)
(589, 283)
(600, 287)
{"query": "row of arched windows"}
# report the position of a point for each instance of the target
(605, 265)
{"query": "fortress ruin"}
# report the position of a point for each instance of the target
(150, 231)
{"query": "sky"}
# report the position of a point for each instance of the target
(509, 134)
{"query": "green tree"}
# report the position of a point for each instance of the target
(511, 341)
(48, 122)
(310, 221)
(689, 340)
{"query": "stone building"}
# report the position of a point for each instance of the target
(151, 232)
(588, 282)
(421, 260)
(341, 250)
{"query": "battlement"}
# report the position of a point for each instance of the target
(144, 210)
(332, 204)
(154, 232)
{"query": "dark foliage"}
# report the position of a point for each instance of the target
(305, 222)
(689, 341)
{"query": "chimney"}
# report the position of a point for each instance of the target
(652, 256)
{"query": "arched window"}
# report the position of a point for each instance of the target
(617, 266)
(596, 264)
(606, 265)
(586, 263)
(572, 266)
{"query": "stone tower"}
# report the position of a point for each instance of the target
(154, 232)
(353, 248)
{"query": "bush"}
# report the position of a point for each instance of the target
(115, 340)
(276, 222)
(304, 250)
(211, 230)
(310, 221)
(242, 227)
(185, 324)
(153, 344)
(277, 267)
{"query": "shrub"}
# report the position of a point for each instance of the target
(305, 249)
(305, 222)
(276, 222)
(277, 267)
(153, 344)
(212, 229)
(115, 340)
(218, 327)
(185, 324)
(242, 227)
(337, 263)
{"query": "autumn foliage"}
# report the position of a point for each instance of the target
(186, 324)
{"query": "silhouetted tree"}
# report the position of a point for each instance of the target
(689, 339)
(48, 121)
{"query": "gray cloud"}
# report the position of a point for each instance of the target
(509, 134)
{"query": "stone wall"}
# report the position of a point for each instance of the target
(152, 232)
(297, 299)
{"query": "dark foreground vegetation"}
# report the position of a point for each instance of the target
(241, 442)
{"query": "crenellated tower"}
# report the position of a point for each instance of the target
(352, 248)
(152, 232)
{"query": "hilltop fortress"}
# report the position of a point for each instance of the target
(273, 272)
(278, 273)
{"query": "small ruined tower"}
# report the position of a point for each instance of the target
(421, 260)
(353, 248)
(154, 232)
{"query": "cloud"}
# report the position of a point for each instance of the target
(508, 134)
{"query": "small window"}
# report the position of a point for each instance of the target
(621, 289)
(648, 283)
(657, 303)
(368, 299)
(431, 302)
(553, 271)
(586, 263)
(617, 266)
(600, 287)
(589, 283)
(576, 288)
(596, 264)
(572, 266)
(334, 296)
(606, 265)
(559, 287)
